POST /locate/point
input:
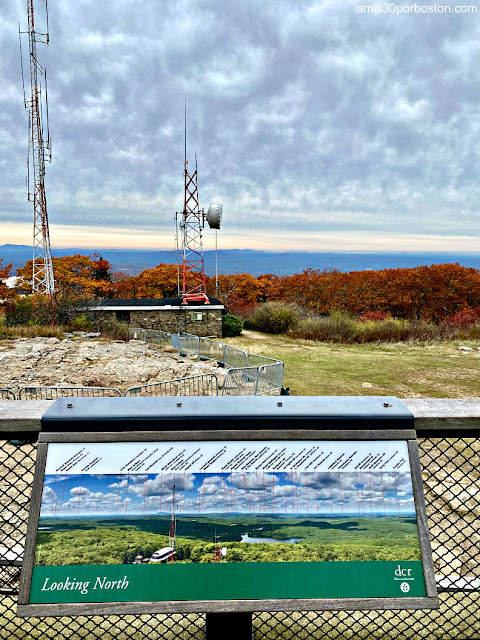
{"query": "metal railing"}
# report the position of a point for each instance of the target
(135, 333)
(235, 358)
(257, 361)
(158, 337)
(241, 381)
(269, 379)
(248, 381)
(52, 393)
(7, 394)
(254, 381)
(247, 374)
(189, 344)
(450, 463)
(211, 350)
(202, 385)
(245, 381)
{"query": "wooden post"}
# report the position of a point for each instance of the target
(219, 626)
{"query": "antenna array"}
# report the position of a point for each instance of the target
(39, 152)
(192, 222)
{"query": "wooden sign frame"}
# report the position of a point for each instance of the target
(427, 601)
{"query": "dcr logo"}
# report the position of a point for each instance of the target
(402, 573)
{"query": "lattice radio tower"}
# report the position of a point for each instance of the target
(192, 223)
(39, 152)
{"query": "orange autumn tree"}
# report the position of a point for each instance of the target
(6, 294)
(159, 282)
(239, 292)
(77, 275)
(428, 292)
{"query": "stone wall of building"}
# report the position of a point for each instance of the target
(174, 320)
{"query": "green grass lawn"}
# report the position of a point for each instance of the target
(434, 370)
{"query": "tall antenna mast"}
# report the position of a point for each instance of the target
(173, 527)
(40, 151)
(194, 288)
(192, 223)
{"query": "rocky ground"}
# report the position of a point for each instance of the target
(79, 361)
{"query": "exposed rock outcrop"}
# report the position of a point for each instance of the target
(75, 361)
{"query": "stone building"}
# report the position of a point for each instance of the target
(165, 314)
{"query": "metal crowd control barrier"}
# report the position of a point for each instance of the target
(203, 347)
(234, 357)
(211, 350)
(202, 385)
(240, 382)
(247, 381)
(158, 337)
(189, 343)
(52, 393)
(7, 394)
(269, 379)
(248, 374)
(137, 334)
(257, 361)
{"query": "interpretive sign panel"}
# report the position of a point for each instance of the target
(160, 524)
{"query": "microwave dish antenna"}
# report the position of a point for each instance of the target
(214, 215)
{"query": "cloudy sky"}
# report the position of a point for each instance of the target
(319, 127)
(296, 492)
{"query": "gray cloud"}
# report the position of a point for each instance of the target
(305, 115)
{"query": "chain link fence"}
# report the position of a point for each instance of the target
(452, 489)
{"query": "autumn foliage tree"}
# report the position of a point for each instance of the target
(428, 292)
(239, 292)
(6, 294)
(78, 276)
(159, 282)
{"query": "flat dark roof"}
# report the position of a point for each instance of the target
(150, 302)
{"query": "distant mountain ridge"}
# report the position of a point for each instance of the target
(255, 262)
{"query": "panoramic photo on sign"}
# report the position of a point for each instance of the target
(166, 521)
